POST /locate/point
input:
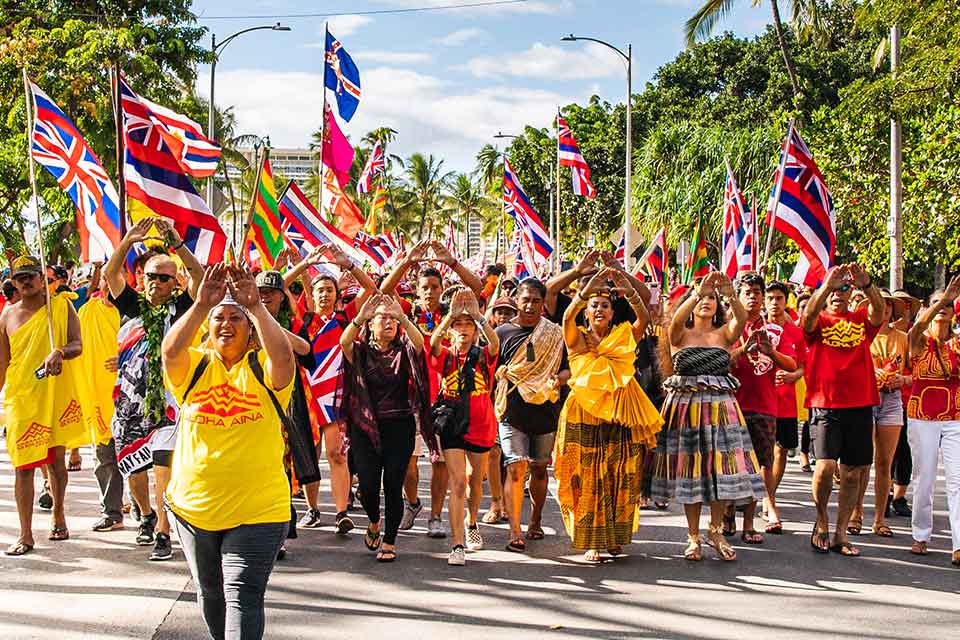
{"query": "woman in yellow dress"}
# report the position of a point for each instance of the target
(605, 422)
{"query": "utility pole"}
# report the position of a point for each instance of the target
(895, 226)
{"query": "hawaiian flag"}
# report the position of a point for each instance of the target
(653, 262)
(157, 183)
(374, 167)
(620, 252)
(60, 149)
(372, 247)
(570, 156)
(736, 253)
(300, 216)
(342, 77)
(323, 380)
(804, 212)
(518, 205)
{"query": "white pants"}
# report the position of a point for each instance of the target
(927, 438)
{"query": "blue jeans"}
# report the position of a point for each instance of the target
(231, 569)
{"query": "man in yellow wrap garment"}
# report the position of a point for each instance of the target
(41, 402)
(99, 325)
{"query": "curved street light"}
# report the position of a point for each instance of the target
(216, 48)
(628, 218)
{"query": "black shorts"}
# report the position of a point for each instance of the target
(787, 436)
(460, 443)
(845, 435)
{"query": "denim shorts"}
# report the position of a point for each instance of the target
(517, 445)
(889, 412)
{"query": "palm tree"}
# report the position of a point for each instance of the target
(806, 21)
(426, 181)
(466, 200)
(489, 168)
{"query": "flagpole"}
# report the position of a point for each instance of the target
(253, 205)
(557, 211)
(28, 99)
(119, 146)
(323, 118)
(776, 193)
(755, 245)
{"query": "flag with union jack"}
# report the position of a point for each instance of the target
(374, 167)
(570, 156)
(60, 149)
(736, 252)
(372, 246)
(342, 77)
(300, 217)
(323, 380)
(518, 205)
(156, 180)
(653, 262)
(804, 211)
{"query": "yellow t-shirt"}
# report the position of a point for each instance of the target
(228, 461)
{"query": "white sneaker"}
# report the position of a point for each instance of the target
(474, 539)
(435, 528)
(457, 557)
(410, 513)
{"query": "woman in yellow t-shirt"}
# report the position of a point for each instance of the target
(228, 489)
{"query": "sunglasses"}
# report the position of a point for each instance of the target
(159, 277)
(844, 287)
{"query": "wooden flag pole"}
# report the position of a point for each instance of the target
(558, 258)
(28, 100)
(323, 119)
(253, 204)
(119, 146)
(776, 193)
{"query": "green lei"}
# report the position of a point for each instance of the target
(154, 318)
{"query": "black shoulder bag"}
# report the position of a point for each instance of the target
(451, 416)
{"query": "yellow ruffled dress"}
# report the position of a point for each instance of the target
(605, 423)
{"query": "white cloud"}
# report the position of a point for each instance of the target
(393, 57)
(346, 25)
(432, 117)
(568, 62)
(460, 36)
(528, 6)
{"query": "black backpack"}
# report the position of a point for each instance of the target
(451, 416)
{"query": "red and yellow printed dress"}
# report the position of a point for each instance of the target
(936, 381)
(605, 422)
(42, 414)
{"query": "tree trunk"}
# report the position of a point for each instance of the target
(787, 60)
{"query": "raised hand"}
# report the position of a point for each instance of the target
(467, 303)
(243, 287)
(168, 232)
(340, 258)
(707, 286)
(836, 277)
(442, 254)
(393, 306)
(419, 251)
(213, 286)
(860, 277)
(597, 283)
(723, 284)
(369, 306)
(953, 289)
(140, 230)
(588, 263)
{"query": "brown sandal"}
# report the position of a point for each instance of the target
(919, 548)
(59, 534)
(716, 540)
(492, 516)
(694, 551)
(882, 530)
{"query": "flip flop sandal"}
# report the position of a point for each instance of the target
(919, 548)
(845, 549)
(59, 534)
(854, 529)
(729, 525)
(751, 537)
(883, 531)
(615, 551)
(774, 528)
(535, 534)
(661, 506)
(592, 556)
(371, 540)
(386, 555)
(492, 517)
(517, 545)
(820, 537)
(75, 465)
(19, 549)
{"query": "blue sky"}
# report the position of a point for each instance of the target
(446, 80)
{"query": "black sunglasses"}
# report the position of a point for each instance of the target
(160, 277)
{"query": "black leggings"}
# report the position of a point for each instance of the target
(902, 468)
(388, 466)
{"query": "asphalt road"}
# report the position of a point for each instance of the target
(100, 585)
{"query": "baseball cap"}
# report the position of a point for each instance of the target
(504, 301)
(270, 280)
(26, 265)
(59, 272)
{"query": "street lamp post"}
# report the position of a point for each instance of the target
(503, 207)
(215, 48)
(628, 218)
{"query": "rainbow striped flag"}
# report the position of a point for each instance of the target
(264, 229)
(698, 265)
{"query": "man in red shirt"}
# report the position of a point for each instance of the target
(791, 341)
(756, 357)
(841, 393)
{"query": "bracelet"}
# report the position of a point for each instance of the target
(356, 324)
(60, 351)
(177, 247)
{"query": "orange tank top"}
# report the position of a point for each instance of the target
(936, 382)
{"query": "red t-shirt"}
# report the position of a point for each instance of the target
(755, 371)
(839, 372)
(483, 423)
(791, 343)
(427, 322)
